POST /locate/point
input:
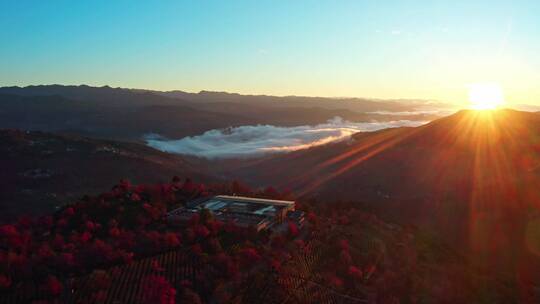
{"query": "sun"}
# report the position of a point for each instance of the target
(485, 96)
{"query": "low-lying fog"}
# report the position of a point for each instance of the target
(252, 141)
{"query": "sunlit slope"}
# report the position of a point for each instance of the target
(458, 171)
(465, 151)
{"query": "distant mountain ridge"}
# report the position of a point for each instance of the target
(350, 103)
(85, 92)
(104, 95)
(125, 114)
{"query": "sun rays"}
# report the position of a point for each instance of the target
(470, 161)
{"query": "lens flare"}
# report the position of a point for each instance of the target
(485, 96)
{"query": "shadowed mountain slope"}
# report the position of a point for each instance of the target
(41, 171)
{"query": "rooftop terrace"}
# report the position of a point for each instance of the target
(244, 211)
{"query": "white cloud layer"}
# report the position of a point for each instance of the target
(252, 141)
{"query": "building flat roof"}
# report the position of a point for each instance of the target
(256, 200)
(244, 211)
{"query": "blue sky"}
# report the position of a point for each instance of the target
(395, 49)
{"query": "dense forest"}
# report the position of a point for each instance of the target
(120, 247)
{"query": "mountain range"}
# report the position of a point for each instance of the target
(126, 114)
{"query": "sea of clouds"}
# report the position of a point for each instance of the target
(258, 140)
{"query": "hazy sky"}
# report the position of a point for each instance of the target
(384, 49)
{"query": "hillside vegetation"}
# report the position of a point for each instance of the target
(118, 248)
